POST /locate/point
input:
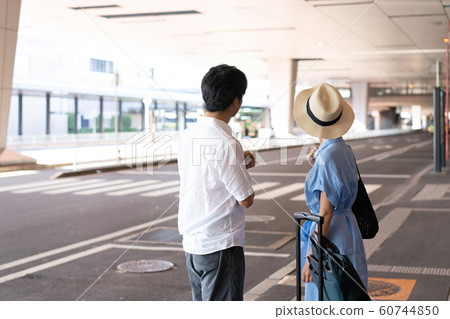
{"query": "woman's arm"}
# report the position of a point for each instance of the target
(326, 211)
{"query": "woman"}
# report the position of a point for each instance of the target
(332, 183)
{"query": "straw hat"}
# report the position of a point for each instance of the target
(321, 111)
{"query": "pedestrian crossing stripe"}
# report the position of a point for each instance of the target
(278, 192)
(150, 188)
(432, 192)
(114, 188)
(84, 187)
(35, 184)
(55, 186)
(156, 186)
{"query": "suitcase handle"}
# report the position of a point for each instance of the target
(319, 220)
(308, 216)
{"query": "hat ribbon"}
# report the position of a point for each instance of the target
(316, 120)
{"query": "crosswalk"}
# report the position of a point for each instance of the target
(151, 188)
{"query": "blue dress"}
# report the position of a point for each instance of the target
(334, 172)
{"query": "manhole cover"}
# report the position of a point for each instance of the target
(382, 288)
(145, 266)
(259, 218)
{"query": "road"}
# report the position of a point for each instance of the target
(62, 239)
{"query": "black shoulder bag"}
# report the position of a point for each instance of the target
(363, 210)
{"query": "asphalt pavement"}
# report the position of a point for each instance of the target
(64, 238)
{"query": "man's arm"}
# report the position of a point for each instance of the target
(248, 201)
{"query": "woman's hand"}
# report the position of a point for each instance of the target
(310, 156)
(306, 273)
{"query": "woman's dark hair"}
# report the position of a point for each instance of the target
(221, 85)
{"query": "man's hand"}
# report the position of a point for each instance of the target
(306, 273)
(249, 160)
(310, 156)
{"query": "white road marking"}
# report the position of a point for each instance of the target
(156, 172)
(58, 186)
(296, 187)
(385, 176)
(276, 161)
(432, 192)
(370, 188)
(105, 247)
(410, 270)
(162, 192)
(269, 282)
(53, 263)
(17, 173)
(388, 226)
(115, 187)
(80, 244)
(76, 188)
(168, 248)
(142, 189)
(155, 248)
(382, 147)
(36, 184)
(299, 198)
(261, 187)
(382, 156)
(270, 174)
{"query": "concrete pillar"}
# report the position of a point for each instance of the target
(47, 113)
(147, 101)
(282, 75)
(9, 24)
(181, 116)
(377, 120)
(75, 115)
(142, 115)
(100, 117)
(360, 102)
(20, 115)
(120, 116)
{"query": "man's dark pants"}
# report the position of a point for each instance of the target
(217, 276)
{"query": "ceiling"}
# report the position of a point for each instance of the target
(385, 42)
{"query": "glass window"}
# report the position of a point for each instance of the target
(13, 121)
(61, 115)
(109, 114)
(102, 66)
(88, 115)
(34, 120)
(166, 116)
(193, 111)
(131, 116)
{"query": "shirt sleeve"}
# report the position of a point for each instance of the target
(326, 180)
(232, 171)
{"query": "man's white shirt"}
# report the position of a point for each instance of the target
(213, 178)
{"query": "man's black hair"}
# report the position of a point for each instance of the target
(221, 85)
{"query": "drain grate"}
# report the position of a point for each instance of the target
(379, 288)
(253, 239)
(142, 266)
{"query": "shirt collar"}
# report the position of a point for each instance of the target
(326, 143)
(211, 121)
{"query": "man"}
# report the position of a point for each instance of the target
(215, 187)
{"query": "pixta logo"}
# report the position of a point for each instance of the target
(148, 151)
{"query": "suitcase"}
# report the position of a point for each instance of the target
(319, 220)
